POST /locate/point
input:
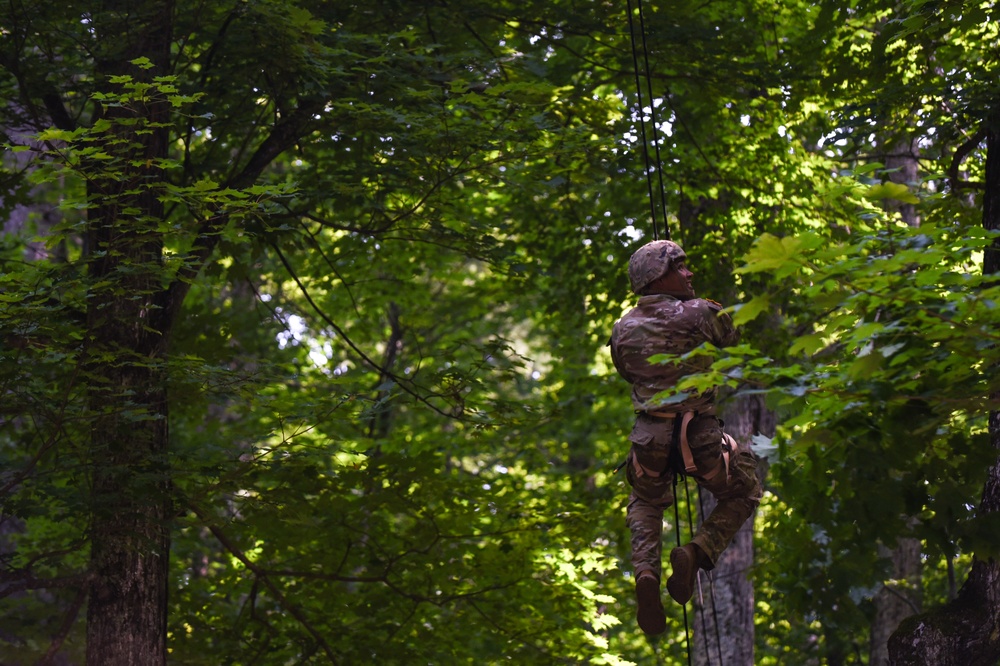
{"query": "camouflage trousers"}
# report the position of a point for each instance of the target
(737, 496)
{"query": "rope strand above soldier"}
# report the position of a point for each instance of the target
(679, 438)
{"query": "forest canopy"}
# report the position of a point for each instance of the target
(304, 311)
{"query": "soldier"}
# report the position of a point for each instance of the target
(679, 437)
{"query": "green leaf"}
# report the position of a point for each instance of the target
(747, 312)
(780, 255)
(807, 344)
(890, 190)
(868, 168)
(205, 185)
(55, 134)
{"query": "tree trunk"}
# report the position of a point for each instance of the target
(127, 330)
(896, 601)
(724, 603)
(904, 169)
(966, 631)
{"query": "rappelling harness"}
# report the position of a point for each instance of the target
(679, 444)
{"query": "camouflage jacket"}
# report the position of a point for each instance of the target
(661, 324)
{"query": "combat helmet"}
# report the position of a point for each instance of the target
(652, 261)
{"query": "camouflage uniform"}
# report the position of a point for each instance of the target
(664, 324)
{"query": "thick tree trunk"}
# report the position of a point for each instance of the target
(724, 603)
(966, 632)
(127, 330)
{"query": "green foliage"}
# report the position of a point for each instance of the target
(884, 392)
(390, 243)
(357, 444)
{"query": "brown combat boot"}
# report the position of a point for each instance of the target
(684, 564)
(650, 608)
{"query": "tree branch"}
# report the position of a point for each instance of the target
(902, 597)
(401, 382)
(26, 581)
(318, 247)
(65, 627)
(283, 136)
(956, 161)
(263, 577)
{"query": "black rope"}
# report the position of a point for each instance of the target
(642, 122)
(711, 593)
(691, 527)
(652, 118)
(677, 531)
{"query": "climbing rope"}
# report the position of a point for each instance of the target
(677, 531)
(711, 584)
(652, 119)
(711, 592)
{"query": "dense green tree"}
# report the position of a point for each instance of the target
(916, 73)
(227, 171)
(309, 365)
